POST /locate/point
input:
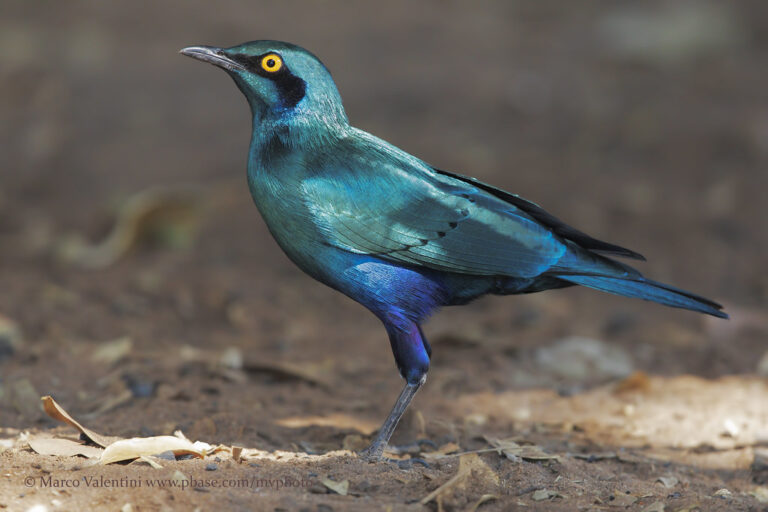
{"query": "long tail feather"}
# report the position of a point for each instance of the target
(646, 289)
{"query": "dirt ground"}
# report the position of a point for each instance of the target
(143, 292)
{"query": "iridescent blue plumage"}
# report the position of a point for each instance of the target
(393, 233)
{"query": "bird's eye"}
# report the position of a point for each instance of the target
(271, 63)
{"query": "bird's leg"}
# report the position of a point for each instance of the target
(376, 449)
(412, 353)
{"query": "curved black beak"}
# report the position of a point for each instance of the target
(212, 55)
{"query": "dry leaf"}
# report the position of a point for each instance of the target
(760, 494)
(10, 336)
(56, 412)
(62, 447)
(515, 452)
(654, 507)
(337, 487)
(6, 444)
(480, 471)
(483, 499)
(545, 494)
(127, 449)
(534, 453)
(621, 499)
(668, 481)
(509, 448)
(112, 351)
(170, 216)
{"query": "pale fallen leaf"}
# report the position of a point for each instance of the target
(534, 453)
(723, 493)
(730, 429)
(62, 447)
(515, 451)
(6, 444)
(655, 507)
(337, 487)
(127, 449)
(621, 499)
(509, 448)
(480, 472)
(56, 412)
(232, 358)
(112, 351)
(170, 216)
(545, 494)
(10, 336)
(760, 494)
(668, 481)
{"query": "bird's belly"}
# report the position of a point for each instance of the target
(382, 286)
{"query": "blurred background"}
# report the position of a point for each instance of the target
(125, 219)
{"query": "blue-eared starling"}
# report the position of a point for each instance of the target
(392, 232)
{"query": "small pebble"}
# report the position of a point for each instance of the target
(167, 455)
(211, 467)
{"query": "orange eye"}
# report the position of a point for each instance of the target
(271, 63)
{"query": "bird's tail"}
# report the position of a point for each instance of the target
(639, 287)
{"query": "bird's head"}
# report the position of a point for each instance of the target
(280, 80)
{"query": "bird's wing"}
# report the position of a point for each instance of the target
(559, 227)
(383, 202)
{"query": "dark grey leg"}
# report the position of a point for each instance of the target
(374, 451)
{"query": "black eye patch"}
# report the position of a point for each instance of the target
(291, 88)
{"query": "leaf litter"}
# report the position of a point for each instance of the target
(112, 449)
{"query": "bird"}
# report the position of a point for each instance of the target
(397, 235)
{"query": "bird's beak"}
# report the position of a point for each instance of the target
(212, 55)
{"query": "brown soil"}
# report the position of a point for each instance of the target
(659, 145)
